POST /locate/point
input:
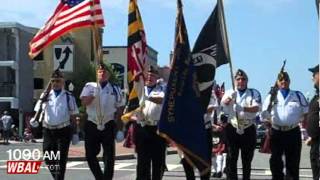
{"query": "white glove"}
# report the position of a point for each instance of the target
(119, 136)
(233, 95)
(95, 92)
(265, 115)
(75, 139)
(237, 108)
(34, 123)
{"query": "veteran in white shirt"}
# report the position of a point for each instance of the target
(241, 106)
(104, 106)
(289, 108)
(150, 147)
(59, 110)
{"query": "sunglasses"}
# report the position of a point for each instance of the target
(284, 79)
(243, 79)
(56, 81)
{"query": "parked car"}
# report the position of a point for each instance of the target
(261, 134)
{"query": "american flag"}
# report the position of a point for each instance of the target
(69, 14)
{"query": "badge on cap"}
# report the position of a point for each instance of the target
(283, 75)
(57, 74)
(240, 72)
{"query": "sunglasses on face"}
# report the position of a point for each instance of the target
(284, 79)
(55, 80)
(243, 79)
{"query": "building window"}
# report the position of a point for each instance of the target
(38, 83)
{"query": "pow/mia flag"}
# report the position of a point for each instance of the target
(317, 4)
(210, 51)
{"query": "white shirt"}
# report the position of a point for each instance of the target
(6, 122)
(250, 98)
(208, 117)
(110, 100)
(288, 111)
(57, 110)
(152, 111)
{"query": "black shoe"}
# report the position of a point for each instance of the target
(219, 174)
(165, 168)
(214, 174)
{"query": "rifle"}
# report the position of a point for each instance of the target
(265, 148)
(34, 122)
(274, 90)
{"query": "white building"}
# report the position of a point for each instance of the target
(117, 57)
(16, 73)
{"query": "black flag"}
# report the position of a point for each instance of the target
(317, 4)
(210, 51)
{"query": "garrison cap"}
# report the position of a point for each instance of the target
(240, 72)
(57, 74)
(283, 75)
(153, 70)
(314, 70)
(102, 66)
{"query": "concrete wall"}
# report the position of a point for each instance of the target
(82, 40)
(25, 85)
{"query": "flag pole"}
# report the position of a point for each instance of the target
(98, 57)
(226, 44)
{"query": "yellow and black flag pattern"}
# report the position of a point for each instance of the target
(136, 56)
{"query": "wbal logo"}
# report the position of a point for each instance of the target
(28, 161)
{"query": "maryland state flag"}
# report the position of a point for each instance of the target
(210, 51)
(137, 51)
(181, 119)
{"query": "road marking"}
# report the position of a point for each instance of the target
(173, 166)
(268, 172)
(74, 163)
(119, 166)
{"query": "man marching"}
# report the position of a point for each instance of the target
(241, 106)
(59, 109)
(103, 101)
(313, 128)
(150, 147)
(285, 139)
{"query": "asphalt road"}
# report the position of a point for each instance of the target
(125, 169)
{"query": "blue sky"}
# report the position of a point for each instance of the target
(262, 33)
